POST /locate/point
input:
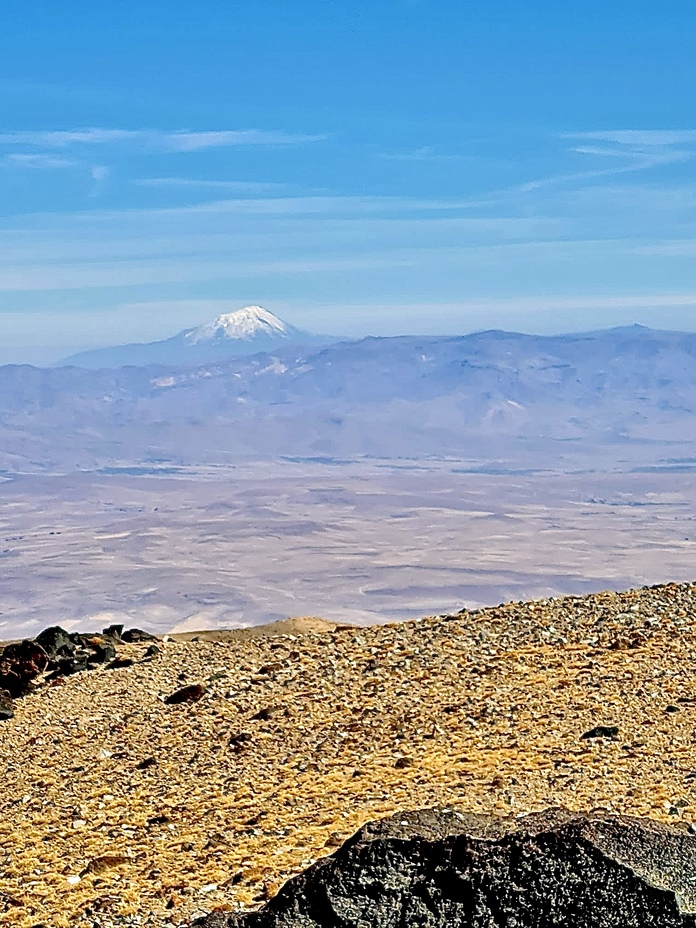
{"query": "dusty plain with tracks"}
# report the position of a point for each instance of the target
(363, 543)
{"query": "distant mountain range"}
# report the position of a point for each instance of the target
(624, 394)
(243, 332)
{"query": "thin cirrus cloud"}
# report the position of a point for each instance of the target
(195, 141)
(38, 161)
(66, 138)
(193, 183)
(630, 150)
(173, 271)
(637, 137)
(179, 140)
(425, 153)
(646, 148)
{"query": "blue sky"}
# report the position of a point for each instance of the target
(356, 167)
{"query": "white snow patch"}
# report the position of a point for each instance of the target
(246, 323)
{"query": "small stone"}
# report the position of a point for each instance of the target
(146, 763)
(158, 820)
(238, 740)
(601, 731)
(105, 862)
(186, 694)
(671, 708)
(6, 707)
(118, 663)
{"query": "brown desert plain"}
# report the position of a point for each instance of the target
(362, 543)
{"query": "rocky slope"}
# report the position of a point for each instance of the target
(120, 806)
(439, 869)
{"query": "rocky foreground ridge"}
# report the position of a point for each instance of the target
(125, 804)
(440, 869)
(56, 654)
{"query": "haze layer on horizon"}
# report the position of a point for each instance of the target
(392, 168)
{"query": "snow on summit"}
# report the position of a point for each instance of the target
(246, 323)
(245, 331)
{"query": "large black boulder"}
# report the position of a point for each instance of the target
(436, 869)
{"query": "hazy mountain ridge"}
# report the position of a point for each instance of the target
(402, 396)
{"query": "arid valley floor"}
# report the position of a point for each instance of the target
(359, 543)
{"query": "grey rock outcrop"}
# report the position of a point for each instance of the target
(433, 869)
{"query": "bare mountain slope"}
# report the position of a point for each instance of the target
(491, 394)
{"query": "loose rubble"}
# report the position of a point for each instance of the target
(299, 739)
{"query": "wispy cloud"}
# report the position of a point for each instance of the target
(178, 140)
(675, 249)
(229, 186)
(195, 141)
(628, 151)
(152, 271)
(639, 138)
(425, 153)
(641, 148)
(66, 138)
(98, 173)
(39, 162)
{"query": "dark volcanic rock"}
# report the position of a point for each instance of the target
(191, 693)
(601, 731)
(20, 663)
(68, 666)
(6, 707)
(137, 635)
(118, 663)
(433, 869)
(101, 648)
(56, 642)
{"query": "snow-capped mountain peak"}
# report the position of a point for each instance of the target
(246, 331)
(247, 323)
